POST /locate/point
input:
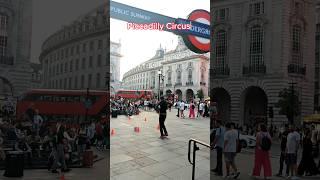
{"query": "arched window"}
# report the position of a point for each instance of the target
(98, 80)
(221, 48)
(190, 75)
(178, 76)
(256, 47)
(3, 34)
(296, 45)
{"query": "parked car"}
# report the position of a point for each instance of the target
(247, 141)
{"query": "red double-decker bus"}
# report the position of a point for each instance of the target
(69, 104)
(135, 94)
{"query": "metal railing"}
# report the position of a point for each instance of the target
(195, 148)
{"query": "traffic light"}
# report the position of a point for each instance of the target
(270, 112)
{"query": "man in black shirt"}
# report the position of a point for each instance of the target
(162, 107)
(283, 137)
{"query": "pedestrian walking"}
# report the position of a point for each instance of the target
(231, 142)
(293, 141)
(283, 144)
(191, 111)
(163, 106)
(182, 107)
(219, 143)
(307, 164)
(178, 108)
(200, 109)
(262, 157)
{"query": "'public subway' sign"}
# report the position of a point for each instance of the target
(195, 30)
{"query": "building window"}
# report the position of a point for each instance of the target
(77, 64)
(256, 8)
(57, 69)
(296, 45)
(83, 63)
(84, 47)
(100, 44)
(3, 45)
(90, 61)
(72, 51)
(66, 67)
(82, 82)
(202, 75)
(179, 77)
(98, 80)
(62, 53)
(76, 82)
(221, 48)
(71, 65)
(89, 80)
(65, 83)
(67, 52)
(70, 83)
(256, 46)
(99, 60)
(3, 22)
(169, 77)
(91, 46)
(61, 68)
(78, 49)
(190, 75)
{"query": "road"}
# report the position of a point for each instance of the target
(144, 156)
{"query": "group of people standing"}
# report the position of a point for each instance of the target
(226, 142)
(201, 106)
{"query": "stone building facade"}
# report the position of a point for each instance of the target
(76, 57)
(115, 56)
(15, 38)
(184, 73)
(259, 47)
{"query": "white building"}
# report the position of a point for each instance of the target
(115, 55)
(184, 73)
(76, 57)
(259, 47)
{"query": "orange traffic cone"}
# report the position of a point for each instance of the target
(62, 176)
(113, 132)
(136, 129)
(145, 119)
(129, 118)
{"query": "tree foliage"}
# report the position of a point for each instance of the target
(200, 94)
(289, 103)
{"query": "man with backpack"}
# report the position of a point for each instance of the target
(262, 157)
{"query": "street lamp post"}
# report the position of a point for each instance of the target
(161, 77)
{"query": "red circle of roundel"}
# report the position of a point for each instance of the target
(194, 15)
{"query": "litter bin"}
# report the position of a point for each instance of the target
(14, 164)
(88, 158)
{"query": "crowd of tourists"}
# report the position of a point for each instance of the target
(64, 143)
(226, 143)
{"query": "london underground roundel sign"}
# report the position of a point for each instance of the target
(195, 43)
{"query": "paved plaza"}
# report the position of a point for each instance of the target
(97, 172)
(144, 156)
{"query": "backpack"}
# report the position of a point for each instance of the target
(265, 143)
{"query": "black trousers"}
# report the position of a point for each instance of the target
(219, 160)
(282, 161)
(178, 112)
(163, 129)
